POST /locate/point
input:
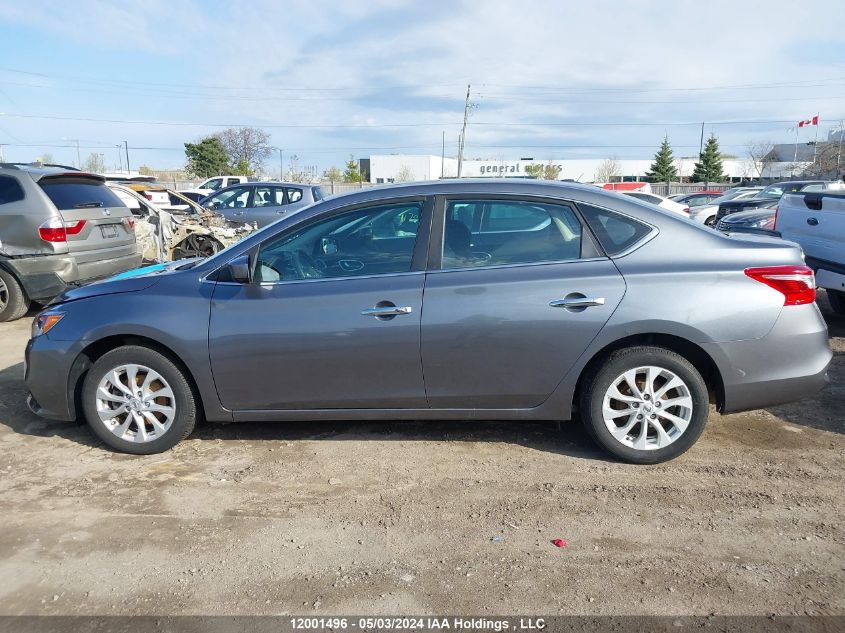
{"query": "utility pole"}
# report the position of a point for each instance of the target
(838, 153)
(463, 133)
(281, 164)
(443, 155)
(119, 159)
(126, 145)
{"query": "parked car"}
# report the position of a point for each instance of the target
(816, 221)
(773, 192)
(177, 233)
(660, 201)
(210, 185)
(457, 299)
(59, 228)
(153, 192)
(697, 198)
(262, 203)
(706, 213)
(758, 220)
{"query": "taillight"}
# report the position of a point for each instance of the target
(797, 284)
(686, 210)
(148, 196)
(57, 231)
(129, 223)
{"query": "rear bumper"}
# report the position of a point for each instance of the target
(49, 276)
(788, 364)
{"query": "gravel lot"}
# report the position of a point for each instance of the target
(444, 518)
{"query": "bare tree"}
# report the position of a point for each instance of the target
(609, 171)
(333, 174)
(760, 156)
(246, 146)
(405, 174)
(94, 164)
(551, 171)
(296, 173)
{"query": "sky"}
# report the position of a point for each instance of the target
(549, 79)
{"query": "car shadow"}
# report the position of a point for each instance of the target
(568, 438)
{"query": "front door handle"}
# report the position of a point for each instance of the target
(577, 301)
(387, 311)
(812, 221)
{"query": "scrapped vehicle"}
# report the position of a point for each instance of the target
(153, 192)
(759, 220)
(456, 299)
(706, 213)
(216, 183)
(262, 203)
(816, 221)
(177, 234)
(59, 228)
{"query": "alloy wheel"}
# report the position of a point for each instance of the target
(4, 295)
(135, 403)
(647, 408)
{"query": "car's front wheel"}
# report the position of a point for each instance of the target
(138, 401)
(711, 221)
(645, 404)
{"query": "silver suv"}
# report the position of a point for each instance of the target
(59, 228)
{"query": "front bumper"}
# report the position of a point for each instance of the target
(788, 364)
(47, 373)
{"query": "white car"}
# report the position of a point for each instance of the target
(660, 201)
(210, 185)
(706, 213)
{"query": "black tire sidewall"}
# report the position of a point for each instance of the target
(836, 298)
(18, 304)
(185, 420)
(623, 360)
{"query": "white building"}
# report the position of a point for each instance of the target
(385, 168)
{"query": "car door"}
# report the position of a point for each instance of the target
(268, 205)
(332, 320)
(516, 291)
(232, 203)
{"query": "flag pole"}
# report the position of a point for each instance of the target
(816, 144)
(795, 154)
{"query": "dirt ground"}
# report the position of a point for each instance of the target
(413, 518)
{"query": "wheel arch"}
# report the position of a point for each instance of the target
(692, 352)
(89, 355)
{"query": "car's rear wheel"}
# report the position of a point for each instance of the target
(138, 401)
(13, 301)
(837, 301)
(645, 404)
(711, 221)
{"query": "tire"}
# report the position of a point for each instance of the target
(175, 412)
(654, 447)
(837, 301)
(711, 221)
(13, 301)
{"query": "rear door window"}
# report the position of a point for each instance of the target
(294, 195)
(10, 190)
(616, 233)
(79, 193)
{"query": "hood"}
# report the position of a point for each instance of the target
(748, 216)
(129, 281)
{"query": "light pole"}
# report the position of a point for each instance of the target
(78, 157)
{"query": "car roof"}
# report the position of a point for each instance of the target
(37, 171)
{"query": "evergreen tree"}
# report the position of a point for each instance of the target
(352, 173)
(207, 158)
(663, 168)
(709, 165)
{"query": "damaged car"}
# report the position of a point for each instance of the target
(182, 230)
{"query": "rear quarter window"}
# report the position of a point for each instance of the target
(616, 233)
(10, 190)
(317, 192)
(78, 193)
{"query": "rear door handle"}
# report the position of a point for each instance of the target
(812, 221)
(387, 311)
(577, 302)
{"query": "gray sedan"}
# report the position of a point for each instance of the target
(450, 300)
(262, 203)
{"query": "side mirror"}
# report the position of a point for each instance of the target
(239, 270)
(328, 246)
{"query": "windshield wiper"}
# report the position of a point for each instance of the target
(87, 205)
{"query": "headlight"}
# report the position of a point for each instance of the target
(45, 322)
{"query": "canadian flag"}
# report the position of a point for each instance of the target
(813, 121)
